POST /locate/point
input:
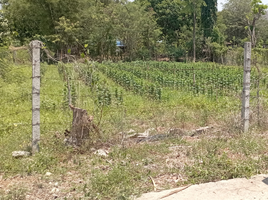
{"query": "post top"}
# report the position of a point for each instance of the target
(247, 44)
(36, 44)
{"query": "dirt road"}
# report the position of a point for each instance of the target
(234, 189)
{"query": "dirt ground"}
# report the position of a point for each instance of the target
(42, 187)
(235, 189)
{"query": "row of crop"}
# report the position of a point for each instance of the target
(203, 82)
(132, 83)
(150, 81)
(211, 71)
(105, 94)
(100, 91)
(174, 67)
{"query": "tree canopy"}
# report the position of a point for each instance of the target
(208, 17)
(147, 28)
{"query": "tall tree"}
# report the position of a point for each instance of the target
(6, 34)
(241, 17)
(257, 10)
(234, 16)
(170, 17)
(74, 24)
(208, 16)
(262, 25)
(39, 17)
(194, 7)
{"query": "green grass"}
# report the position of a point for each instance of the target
(217, 159)
(221, 153)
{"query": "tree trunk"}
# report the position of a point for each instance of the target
(252, 32)
(82, 127)
(194, 16)
(253, 38)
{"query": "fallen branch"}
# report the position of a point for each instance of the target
(153, 183)
(175, 191)
(200, 130)
(12, 48)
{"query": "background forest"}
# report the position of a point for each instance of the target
(148, 29)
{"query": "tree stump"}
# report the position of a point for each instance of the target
(82, 127)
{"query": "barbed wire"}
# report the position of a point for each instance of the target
(15, 113)
(91, 96)
(120, 108)
(14, 99)
(70, 79)
(103, 122)
(29, 125)
(260, 96)
(126, 108)
(179, 68)
(16, 68)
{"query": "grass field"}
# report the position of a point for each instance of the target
(121, 97)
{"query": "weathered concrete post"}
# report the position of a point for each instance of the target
(35, 46)
(246, 87)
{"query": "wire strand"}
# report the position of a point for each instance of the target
(15, 113)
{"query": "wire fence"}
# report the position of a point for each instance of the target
(128, 96)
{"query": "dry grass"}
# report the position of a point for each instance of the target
(221, 152)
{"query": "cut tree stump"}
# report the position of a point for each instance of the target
(83, 127)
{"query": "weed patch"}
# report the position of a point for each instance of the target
(118, 183)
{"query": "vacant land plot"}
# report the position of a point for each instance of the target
(149, 116)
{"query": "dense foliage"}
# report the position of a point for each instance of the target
(147, 29)
(209, 17)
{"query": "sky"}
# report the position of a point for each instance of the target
(221, 2)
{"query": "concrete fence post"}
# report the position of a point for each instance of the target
(35, 46)
(246, 87)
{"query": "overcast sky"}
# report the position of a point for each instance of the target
(221, 2)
